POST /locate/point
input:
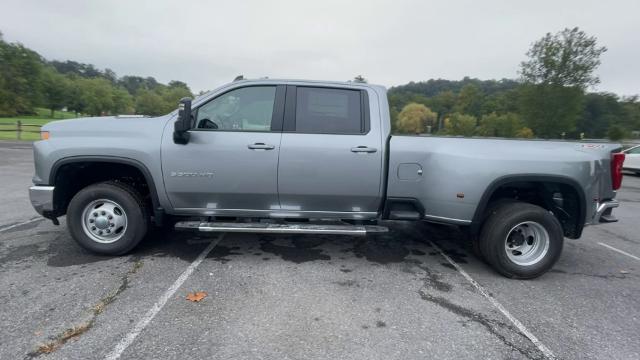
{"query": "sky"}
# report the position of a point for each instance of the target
(208, 43)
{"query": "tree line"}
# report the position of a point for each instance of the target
(27, 81)
(549, 100)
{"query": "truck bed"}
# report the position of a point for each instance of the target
(448, 176)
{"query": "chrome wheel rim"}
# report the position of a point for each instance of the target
(527, 243)
(104, 221)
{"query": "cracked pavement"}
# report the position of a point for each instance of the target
(391, 296)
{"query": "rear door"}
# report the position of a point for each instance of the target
(330, 154)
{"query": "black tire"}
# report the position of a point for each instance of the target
(475, 247)
(475, 239)
(131, 202)
(499, 224)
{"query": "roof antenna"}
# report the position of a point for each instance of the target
(238, 78)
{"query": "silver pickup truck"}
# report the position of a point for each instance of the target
(283, 156)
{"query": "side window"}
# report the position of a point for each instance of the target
(328, 111)
(635, 150)
(244, 109)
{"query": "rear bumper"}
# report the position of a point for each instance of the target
(604, 212)
(42, 199)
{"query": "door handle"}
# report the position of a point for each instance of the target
(363, 149)
(261, 146)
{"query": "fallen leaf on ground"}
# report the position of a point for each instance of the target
(196, 296)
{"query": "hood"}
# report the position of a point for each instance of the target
(123, 126)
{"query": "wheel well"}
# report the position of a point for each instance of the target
(70, 178)
(559, 197)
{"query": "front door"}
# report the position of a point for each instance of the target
(330, 154)
(229, 166)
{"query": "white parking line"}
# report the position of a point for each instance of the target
(20, 224)
(155, 309)
(619, 251)
(545, 350)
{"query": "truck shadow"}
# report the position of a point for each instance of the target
(402, 243)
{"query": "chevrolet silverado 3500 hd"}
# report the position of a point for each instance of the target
(284, 156)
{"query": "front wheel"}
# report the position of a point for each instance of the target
(108, 218)
(521, 240)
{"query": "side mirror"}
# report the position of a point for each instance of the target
(183, 124)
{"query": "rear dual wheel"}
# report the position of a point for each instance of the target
(521, 240)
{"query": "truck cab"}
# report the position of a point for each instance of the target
(272, 150)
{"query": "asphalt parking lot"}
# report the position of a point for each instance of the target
(416, 292)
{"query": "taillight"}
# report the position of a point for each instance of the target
(616, 170)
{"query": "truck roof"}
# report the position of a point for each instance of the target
(267, 81)
(292, 81)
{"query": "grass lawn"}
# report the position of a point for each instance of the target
(41, 117)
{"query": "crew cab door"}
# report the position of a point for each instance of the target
(330, 154)
(229, 166)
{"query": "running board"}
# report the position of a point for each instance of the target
(270, 228)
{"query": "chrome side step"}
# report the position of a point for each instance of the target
(263, 228)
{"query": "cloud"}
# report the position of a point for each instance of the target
(207, 43)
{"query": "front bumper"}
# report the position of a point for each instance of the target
(42, 199)
(604, 212)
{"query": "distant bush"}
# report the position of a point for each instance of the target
(414, 119)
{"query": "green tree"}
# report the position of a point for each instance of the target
(178, 84)
(162, 99)
(110, 75)
(600, 111)
(414, 118)
(567, 58)
(75, 101)
(525, 132)
(135, 83)
(122, 101)
(393, 114)
(505, 125)
(70, 67)
(551, 109)
(469, 101)
(615, 133)
(559, 69)
(97, 94)
(442, 104)
(630, 118)
(501, 102)
(20, 78)
(149, 103)
(173, 93)
(460, 124)
(56, 90)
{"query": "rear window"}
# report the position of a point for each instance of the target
(328, 111)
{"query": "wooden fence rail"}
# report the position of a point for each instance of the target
(20, 127)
